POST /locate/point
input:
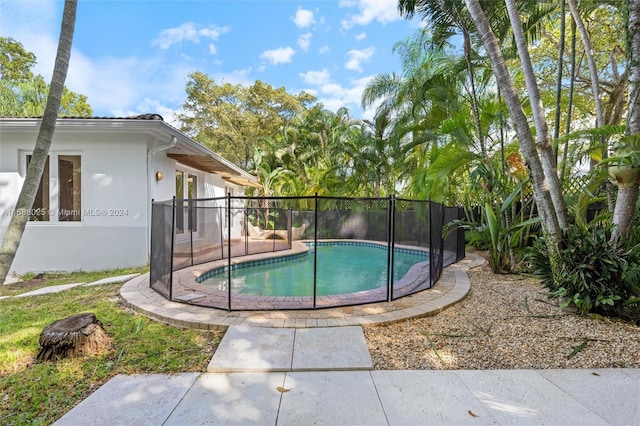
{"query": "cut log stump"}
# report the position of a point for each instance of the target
(77, 335)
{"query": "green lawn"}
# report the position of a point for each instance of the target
(39, 393)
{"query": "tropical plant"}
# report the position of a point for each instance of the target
(594, 274)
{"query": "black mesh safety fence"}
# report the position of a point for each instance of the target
(412, 245)
(161, 245)
(263, 253)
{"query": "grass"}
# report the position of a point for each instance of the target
(32, 282)
(40, 393)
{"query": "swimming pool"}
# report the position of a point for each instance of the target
(342, 268)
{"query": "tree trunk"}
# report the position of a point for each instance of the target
(19, 219)
(78, 335)
(527, 145)
(591, 61)
(572, 82)
(556, 123)
(628, 194)
(547, 155)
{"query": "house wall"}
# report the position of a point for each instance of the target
(209, 186)
(118, 182)
(114, 202)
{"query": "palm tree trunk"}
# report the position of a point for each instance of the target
(527, 145)
(628, 194)
(474, 94)
(18, 222)
(556, 124)
(547, 155)
(591, 61)
(572, 83)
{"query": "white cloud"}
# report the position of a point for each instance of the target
(383, 11)
(324, 49)
(361, 36)
(356, 57)
(212, 49)
(304, 41)
(316, 77)
(189, 31)
(333, 95)
(303, 18)
(280, 55)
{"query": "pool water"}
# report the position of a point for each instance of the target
(341, 269)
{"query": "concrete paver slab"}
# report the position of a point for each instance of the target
(428, 398)
(335, 348)
(230, 399)
(612, 394)
(524, 397)
(129, 400)
(330, 398)
(50, 289)
(253, 349)
(113, 280)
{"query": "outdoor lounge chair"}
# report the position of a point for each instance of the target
(257, 233)
(260, 234)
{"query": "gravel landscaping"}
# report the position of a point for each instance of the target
(506, 322)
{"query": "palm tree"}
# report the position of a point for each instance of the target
(628, 186)
(542, 131)
(546, 208)
(18, 222)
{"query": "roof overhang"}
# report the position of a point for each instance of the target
(186, 151)
(243, 181)
(205, 163)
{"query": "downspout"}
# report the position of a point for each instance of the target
(150, 177)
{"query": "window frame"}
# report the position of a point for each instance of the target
(192, 215)
(54, 187)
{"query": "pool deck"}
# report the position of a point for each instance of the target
(452, 287)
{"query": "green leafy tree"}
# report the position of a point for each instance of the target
(15, 62)
(23, 94)
(233, 119)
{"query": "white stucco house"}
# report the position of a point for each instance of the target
(93, 208)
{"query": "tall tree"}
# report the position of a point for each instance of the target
(15, 61)
(627, 176)
(23, 94)
(547, 156)
(232, 119)
(18, 222)
(541, 193)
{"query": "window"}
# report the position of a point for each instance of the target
(41, 206)
(186, 188)
(69, 188)
(59, 196)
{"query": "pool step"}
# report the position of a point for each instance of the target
(265, 349)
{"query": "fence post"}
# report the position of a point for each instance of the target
(315, 252)
(190, 222)
(390, 246)
(229, 248)
(173, 239)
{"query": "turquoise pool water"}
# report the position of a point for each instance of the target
(342, 268)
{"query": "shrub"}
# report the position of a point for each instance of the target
(590, 272)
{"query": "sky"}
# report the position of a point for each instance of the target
(134, 56)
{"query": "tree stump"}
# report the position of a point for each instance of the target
(77, 335)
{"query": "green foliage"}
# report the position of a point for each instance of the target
(15, 61)
(590, 273)
(23, 94)
(233, 119)
(500, 240)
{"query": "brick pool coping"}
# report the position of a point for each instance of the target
(452, 287)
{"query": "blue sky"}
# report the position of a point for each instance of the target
(134, 56)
